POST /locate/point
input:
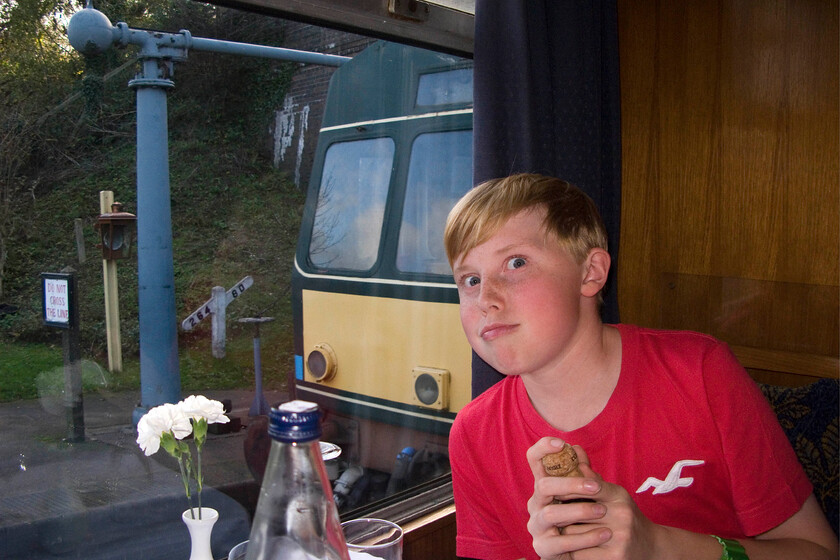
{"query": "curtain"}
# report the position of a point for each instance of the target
(546, 91)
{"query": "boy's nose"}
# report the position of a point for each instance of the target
(490, 297)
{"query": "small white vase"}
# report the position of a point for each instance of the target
(200, 530)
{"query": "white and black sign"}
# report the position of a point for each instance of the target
(211, 305)
(57, 299)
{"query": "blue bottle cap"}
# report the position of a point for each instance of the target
(295, 421)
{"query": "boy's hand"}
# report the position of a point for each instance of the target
(608, 526)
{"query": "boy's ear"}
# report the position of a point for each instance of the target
(596, 268)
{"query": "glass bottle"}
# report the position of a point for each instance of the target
(296, 517)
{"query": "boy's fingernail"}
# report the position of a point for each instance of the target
(557, 442)
(591, 485)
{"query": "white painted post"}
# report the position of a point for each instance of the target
(219, 307)
(216, 306)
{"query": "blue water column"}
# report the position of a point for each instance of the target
(160, 377)
(90, 32)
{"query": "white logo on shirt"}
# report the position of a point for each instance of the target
(672, 481)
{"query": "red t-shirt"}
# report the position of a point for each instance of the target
(682, 406)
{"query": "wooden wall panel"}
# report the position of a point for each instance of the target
(431, 537)
(731, 175)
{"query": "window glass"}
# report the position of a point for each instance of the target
(351, 204)
(440, 172)
(249, 281)
(443, 88)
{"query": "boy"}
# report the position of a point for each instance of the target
(675, 441)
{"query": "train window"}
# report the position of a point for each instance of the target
(444, 88)
(351, 204)
(440, 171)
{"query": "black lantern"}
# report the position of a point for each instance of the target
(116, 229)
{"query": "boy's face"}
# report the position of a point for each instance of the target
(520, 295)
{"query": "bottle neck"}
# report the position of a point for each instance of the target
(301, 458)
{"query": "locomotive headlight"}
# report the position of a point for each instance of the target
(321, 363)
(426, 389)
(431, 388)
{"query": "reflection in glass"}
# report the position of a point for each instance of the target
(440, 172)
(351, 204)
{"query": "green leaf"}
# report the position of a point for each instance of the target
(199, 432)
(170, 444)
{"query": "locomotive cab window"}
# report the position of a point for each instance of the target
(443, 88)
(351, 204)
(439, 173)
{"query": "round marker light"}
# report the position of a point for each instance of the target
(426, 389)
(321, 363)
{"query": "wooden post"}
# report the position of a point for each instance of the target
(73, 399)
(78, 228)
(112, 299)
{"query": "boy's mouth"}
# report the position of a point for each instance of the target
(495, 330)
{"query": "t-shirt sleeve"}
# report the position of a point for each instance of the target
(768, 483)
(480, 533)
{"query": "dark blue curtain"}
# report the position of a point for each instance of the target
(547, 101)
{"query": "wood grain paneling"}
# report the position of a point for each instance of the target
(431, 537)
(731, 175)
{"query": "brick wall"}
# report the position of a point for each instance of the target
(296, 123)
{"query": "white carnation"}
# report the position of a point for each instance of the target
(199, 406)
(159, 420)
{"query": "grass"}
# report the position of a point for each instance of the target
(20, 365)
(35, 370)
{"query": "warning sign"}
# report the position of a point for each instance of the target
(57, 299)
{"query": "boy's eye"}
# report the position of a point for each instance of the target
(515, 262)
(470, 281)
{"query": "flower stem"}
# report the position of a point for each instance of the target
(186, 480)
(198, 479)
(199, 435)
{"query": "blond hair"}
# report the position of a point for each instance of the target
(571, 216)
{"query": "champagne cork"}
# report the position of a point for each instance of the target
(562, 463)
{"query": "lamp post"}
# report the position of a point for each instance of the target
(116, 231)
